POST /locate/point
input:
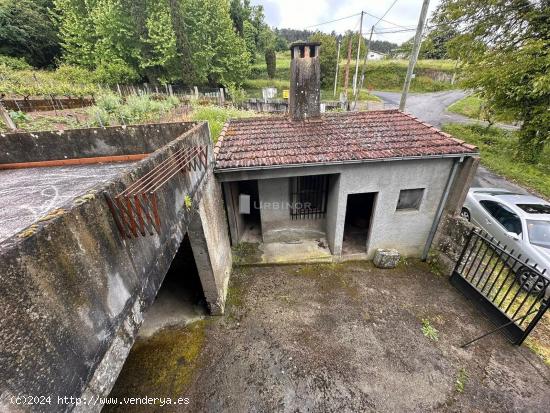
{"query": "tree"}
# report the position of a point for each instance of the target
(437, 42)
(27, 31)
(504, 47)
(218, 54)
(327, 57)
(271, 62)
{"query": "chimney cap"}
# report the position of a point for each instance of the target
(301, 43)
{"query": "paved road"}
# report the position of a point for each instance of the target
(431, 108)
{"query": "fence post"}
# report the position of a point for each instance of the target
(196, 89)
(118, 89)
(6, 117)
(222, 97)
(170, 90)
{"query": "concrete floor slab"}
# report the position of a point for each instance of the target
(347, 338)
(28, 194)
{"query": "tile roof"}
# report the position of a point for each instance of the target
(335, 137)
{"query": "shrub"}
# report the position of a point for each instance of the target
(16, 63)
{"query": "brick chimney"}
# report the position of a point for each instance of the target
(305, 81)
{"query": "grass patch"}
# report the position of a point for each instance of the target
(429, 331)
(473, 107)
(499, 150)
(461, 379)
(216, 116)
(379, 75)
(161, 365)
(540, 348)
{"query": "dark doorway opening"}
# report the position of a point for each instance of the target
(157, 357)
(180, 298)
(358, 222)
(252, 225)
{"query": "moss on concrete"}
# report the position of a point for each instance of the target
(246, 253)
(161, 365)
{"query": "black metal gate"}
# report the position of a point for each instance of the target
(510, 290)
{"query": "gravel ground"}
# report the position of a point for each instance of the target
(348, 338)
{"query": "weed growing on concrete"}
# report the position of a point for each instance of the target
(188, 202)
(429, 331)
(461, 379)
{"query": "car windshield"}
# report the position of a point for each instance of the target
(539, 233)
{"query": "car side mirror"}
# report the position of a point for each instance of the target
(513, 235)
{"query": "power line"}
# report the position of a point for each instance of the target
(384, 15)
(332, 21)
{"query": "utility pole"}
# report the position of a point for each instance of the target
(363, 68)
(414, 54)
(346, 73)
(359, 38)
(337, 66)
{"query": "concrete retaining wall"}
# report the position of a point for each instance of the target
(74, 292)
(92, 142)
(37, 105)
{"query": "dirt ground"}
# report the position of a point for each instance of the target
(348, 338)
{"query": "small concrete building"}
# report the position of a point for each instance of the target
(373, 55)
(357, 181)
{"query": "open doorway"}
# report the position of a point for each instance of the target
(252, 226)
(358, 222)
(180, 299)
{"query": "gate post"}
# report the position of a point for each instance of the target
(544, 306)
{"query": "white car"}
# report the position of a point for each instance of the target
(521, 222)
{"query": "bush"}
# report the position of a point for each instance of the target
(217, 116)
(110, 110)
(111, 73)
(16, 63)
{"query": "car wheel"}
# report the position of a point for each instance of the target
(530, 280)
(465, 214)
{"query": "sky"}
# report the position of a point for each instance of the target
(302, 14)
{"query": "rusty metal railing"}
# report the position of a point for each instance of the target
(135, 210)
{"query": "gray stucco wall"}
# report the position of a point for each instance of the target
(275, 214)
(405, 230)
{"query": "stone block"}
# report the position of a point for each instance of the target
(386, 258)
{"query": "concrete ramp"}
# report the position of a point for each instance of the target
(74, 290)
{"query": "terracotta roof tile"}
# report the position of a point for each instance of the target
(336, 137)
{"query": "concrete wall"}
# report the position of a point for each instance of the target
(234, 218)
(211, 247)
(275, 214)
(91, 142)
(405, 230)
(74, 292)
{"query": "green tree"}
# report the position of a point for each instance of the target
(77, 33)
(504, 47)
(328, 56)
(218, 54)
(271, 62)
(27, 31)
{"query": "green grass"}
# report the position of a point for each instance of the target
(499, 149)
(379, 75)
(461, 379)
(217, 116)
(472, 107)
